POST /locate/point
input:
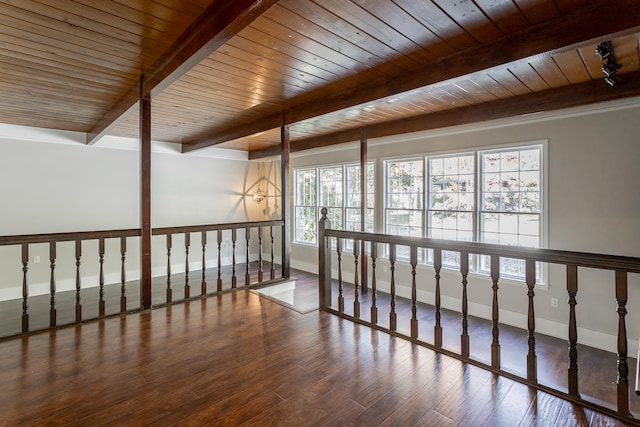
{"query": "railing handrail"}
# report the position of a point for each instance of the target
(67, 237)
(209, 227)
(127, 232)
(554, 256)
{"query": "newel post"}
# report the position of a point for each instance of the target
(324, 261)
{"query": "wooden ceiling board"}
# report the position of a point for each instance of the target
(510, 82)
(504, 14)
(340, 64)
(264, 76)
(306, 75)
(295, 56)
(310, 29)
(537, 11)
(471, 18)
(377, 28)
(572, 66)
(230, 73)
(31, 21)
(397, 18)
(547, 68)
(529, 77)
(627, 53)
(341, 28)
(489, 84)
(432, 17)
(566, 6)
(474, 90)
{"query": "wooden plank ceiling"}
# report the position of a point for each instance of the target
(229, 73)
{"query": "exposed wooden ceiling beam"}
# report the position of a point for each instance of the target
(218, 23)
(566, 97)
(588, 25)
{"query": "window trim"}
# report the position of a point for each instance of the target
(317, 168)
(542, 280)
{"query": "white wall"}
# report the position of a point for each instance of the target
(593, 206)
(51, 182)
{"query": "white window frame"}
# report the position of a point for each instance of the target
(474, 264)
(319, 204)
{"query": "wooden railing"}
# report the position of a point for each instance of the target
(329, 239)
(232, 228)
(53, 240)
(97, 295)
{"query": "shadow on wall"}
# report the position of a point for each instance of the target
(268, 181)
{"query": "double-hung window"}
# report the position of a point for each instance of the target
(491, 196)
(451, 201)
(404, 206)
(305, 206)
(338, 189)
(511, 203)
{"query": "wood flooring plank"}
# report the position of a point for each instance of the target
(240, 359)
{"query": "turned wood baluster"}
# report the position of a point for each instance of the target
(233, 262)
(532, 364)
(340, 287)
(356, 281)
(495, 317)
(25, 288)
(374, 308)
(52, 285)
(203, 285)
(169, 291)
(101, 304)
(187, 244)
(247, 275)
(572, 289)
(219, 284)
(437, 329)
(393, 317)
(413, 250)
(123, 275)
(78, 281)
(623, 368)
(273, 269)
(260, 273)
(464, 337)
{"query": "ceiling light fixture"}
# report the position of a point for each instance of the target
(609, 65)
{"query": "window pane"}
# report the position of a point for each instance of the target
(451, 201)
(305, 228)
(511, 194)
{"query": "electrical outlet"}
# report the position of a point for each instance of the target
(36, 259)
(554, 302)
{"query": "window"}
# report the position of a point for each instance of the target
(404, 207)
(510, 203)
(491, 196)
(331, 187)
(305, 206)
(338, 189)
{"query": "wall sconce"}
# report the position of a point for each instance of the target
(259, 195)
(609, 65)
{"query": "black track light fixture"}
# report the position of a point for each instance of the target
(609, 65)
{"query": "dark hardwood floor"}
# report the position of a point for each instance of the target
(243, 359)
